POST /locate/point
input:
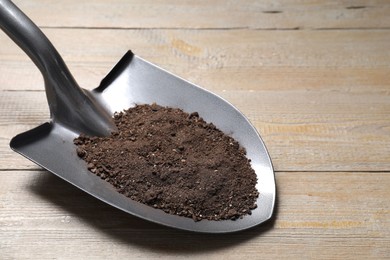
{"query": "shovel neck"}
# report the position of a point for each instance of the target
(68, 103)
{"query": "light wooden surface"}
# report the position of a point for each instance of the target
(312, 76)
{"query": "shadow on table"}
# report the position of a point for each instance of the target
(125, 228)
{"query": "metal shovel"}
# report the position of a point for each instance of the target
(132, 81)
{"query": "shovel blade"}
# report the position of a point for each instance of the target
(135, 81)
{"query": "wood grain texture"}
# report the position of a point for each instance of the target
(313, 76)
(247, 60)
(219, 14)
(332, 215)
(322, 130)
(323, 99)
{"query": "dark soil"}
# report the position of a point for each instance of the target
(173, 161)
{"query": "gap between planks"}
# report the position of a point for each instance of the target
(217, 28)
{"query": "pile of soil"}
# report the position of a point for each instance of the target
(173, 161)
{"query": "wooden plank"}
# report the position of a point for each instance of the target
(332, 215)
(247, 60)
(280, 14)
(22, 75)
(303, 130)
(189, 50)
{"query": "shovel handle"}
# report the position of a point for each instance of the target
(68, 103)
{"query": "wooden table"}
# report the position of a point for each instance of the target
(312, 76)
